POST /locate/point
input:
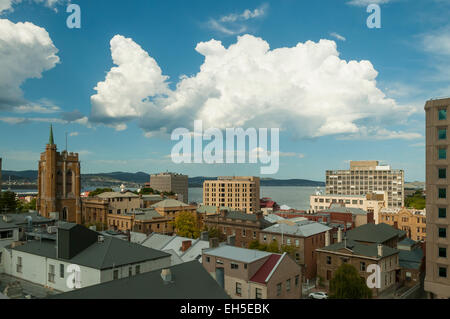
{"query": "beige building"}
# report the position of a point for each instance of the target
(171, 182)
(371, 202)
(237, 192)
(437, 280)
(365, 177)
(121, 203)
(412, 221)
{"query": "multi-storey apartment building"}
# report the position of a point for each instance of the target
(412, 221)
(59, 184)
(371, 202)
(171, 182)
(365, 177)
(237, 192)
(437, 280)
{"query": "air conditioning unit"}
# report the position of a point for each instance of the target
(52, 229)
(101, 239)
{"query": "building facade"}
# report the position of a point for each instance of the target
(371, 202)
(237, 192)
(59, 184)
(437, 280)
(171, 182)
(365, 177)
(251, 274)
(412, 221)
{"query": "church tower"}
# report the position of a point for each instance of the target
(59, 184)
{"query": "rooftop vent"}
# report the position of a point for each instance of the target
(7, 218)
(101, 239)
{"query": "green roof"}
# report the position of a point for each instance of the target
(169, 203)
(374, 233)
(360, 249)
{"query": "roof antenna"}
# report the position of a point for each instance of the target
(66, 143)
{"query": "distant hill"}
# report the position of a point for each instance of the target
(139, 178)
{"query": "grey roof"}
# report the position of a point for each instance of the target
(189, 281)
(374, 233)
(157, 241)
(354, 211)
(236, 253)
(169, 203)
(410, 259)
(233, 214)
(19, 220)
(146, 214)
(407, 242)
(112, 252)
(117, 195)
(273, 218)
(301, 229)
(357, 248)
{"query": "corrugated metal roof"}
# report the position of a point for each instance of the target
(263, 272)
(236, 253)
(301, 229)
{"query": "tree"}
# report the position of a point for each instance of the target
(347, 284)
(99, 191)
(186, 225)
(8, 202)
(23, 206)
(146, 191)
(273, 247)
(416, 201)
(254, 244)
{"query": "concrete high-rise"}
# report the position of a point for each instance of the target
(437, 279)
(59, 184)
(171, 182)
(365, 177)
(237, 192)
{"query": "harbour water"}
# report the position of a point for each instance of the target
(293, 196)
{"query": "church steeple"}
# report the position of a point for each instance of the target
(50, 139)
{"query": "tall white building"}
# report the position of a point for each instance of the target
(368, 177)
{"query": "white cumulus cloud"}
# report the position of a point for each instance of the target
(8, 5)
(306, 89)
(26, 51)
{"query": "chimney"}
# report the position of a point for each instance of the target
(204, 236)
(380, 250)
(259, 215)
(339, 235)
(166, 275)
(327, 238)
(231, 240)
(185, 245)
(214, 242)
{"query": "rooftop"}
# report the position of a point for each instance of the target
(117, 195)
(375, 233)
(189, 281)
(169, 203)
(340, 209)
(361, 249)
(262, 275)
(17, 220)
(236, 253)
(301, 229)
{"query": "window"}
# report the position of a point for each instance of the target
(442, 173)
(442, 252)
(258, 293)
(297, 279)
(442, 134)
(288, 285)
(362, 266)
(443, 272)
(130, 271)
(243, 233)
(208, 259)
(288, 241)
(328, 260)
(443, 232)
(234, 266)
(254, 235)
(297, 243)
(116, 274)
(6, 234)
(138, 269)
(19, 265)
(442, 114)
(238, 289)
(61, 270)
(442, 153)
(442, 193)
(51, 273)
(279, 286)
(442, 212)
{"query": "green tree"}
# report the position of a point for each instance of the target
(99, 191)
(23, 206)
(186, 225)
(273, 247)
(147, 191)
(8, 202)
(254, 244)
(416, 201)
(347, 284)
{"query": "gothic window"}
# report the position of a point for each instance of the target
(69, 181)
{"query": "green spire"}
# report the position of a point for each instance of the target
(50, 140)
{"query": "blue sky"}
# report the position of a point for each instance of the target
(329, 110)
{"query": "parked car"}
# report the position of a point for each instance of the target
(318, 295)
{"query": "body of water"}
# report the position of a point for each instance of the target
(293, 196)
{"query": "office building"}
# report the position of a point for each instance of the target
(237, 192)
(171, 182)
(367, 177)
(437, 280)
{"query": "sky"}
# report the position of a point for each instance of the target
(137, 70)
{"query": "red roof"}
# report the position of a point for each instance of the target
(266, 269)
